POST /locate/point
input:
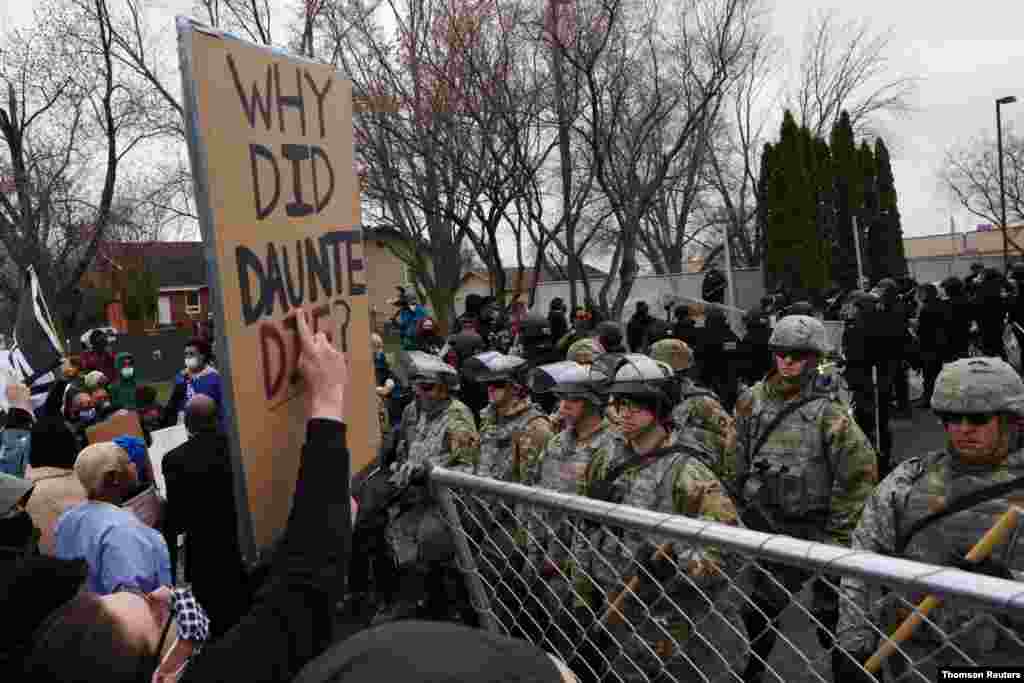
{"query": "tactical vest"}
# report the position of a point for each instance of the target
(426, 437)
(941, 481)
(498, 445)
(791, 476)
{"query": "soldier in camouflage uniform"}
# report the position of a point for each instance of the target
(583, 352)
(978, 401)
(436, 430)
(513, 432)
(562, 467)
(683, 622)
(805, 469)
(699, 421)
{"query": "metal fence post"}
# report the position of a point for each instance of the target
(467, 563)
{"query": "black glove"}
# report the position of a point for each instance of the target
(988, 567)
(605, 490)
(848, 667)
(660, 567)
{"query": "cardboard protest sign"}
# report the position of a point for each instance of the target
(121, 423)
(270, 141)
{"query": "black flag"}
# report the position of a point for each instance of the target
(37, 349)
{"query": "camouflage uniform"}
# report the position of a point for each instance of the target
(510, 445)
(670, 628)
(917, 487)
(702, 423)
(446, 437)
(810, 478)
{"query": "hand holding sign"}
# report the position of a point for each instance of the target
(325, 370)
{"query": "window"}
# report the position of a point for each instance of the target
(192, 303)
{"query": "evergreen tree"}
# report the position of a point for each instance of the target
(868, 213)
(793, 256)
(825, 216)
(848, 197)
(892, 259)
(762, 198)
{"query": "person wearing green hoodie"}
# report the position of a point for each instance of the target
(122, 391)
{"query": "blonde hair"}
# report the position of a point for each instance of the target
(96, 461)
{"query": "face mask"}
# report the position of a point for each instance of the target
(192, 363)
(127, 373)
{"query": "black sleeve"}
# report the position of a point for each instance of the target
(290, 621)
(170, 414)
(20, 419)
(172, 517)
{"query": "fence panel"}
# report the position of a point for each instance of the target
(561, 571)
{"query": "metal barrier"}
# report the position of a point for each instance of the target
(562, 572)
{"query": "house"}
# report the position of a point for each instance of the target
(183, 300)
(985, 241)
(184, 297)
(517, 285)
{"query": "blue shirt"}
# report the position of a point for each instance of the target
(208, 384)
(119, 549)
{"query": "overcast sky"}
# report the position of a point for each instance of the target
(966, 54)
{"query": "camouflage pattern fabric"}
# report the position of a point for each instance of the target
(710, 639)
(584, 351)
(914, 489)
(510, 445)
(446, 437)
(562, 467)
(815, 470)
(702, 423)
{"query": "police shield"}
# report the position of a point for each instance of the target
(414, 365)
(491, 366)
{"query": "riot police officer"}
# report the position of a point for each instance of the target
(436, 430)
(650, 470)
(699, 420)
(979, 401)
(791, 431)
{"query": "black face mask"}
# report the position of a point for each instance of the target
(17, 530)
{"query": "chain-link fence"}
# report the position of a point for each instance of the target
(624, 594)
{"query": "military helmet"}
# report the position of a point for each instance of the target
(567, 379)
(635, 375)
(583, 351)
(466, 343)
(534, 327)
(493, 366)
(419, 367)
(799, 333)
(673, 352)
(978, 385)
(800, 308)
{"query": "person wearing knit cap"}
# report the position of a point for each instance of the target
(51, 467)
(95, 380)
(421, 652)
(119, 548)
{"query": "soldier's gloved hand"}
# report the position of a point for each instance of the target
(405, 474)
(848, 666)
(988, 567)
(658, 566)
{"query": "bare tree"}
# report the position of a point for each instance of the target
(846, 66)
(971, 174)
(68, 121)
(653, 97)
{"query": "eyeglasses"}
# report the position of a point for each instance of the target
(794, 356)
(973, 419)
(625, 405)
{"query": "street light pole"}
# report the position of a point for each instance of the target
(1009, 99)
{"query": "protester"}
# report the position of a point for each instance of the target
(637, 328)
(197, 378)
(16, 440)
(94, 380)
(99, 357)
(122, 391)
(52, 461)
(17, 533)
(118, 637)
(200, 469)
(139, 457)
(121, 551)
(406, 317)
(556, 318)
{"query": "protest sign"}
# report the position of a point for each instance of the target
(270, 141)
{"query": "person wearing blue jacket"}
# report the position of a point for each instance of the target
(198, 377)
